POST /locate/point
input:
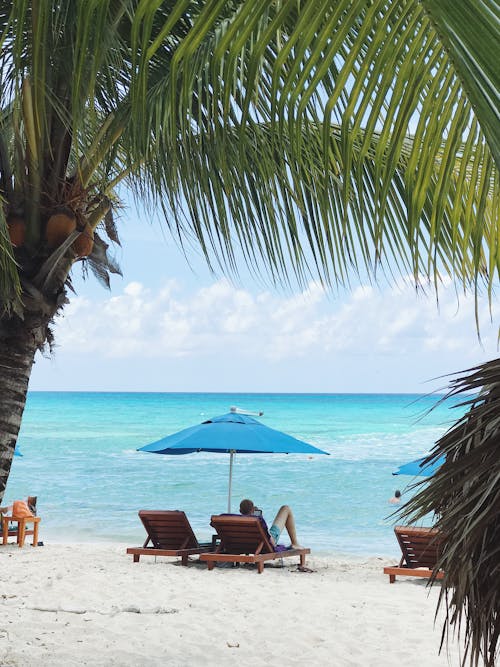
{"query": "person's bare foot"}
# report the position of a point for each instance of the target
(296, 546)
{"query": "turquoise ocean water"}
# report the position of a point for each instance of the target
(80, 459)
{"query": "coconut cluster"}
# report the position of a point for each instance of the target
(59, 226)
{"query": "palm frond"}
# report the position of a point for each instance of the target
(302, 122)
(465, 496)
(289, 212)
(469, 33)
(10, 287)
(321, 137)
(101, 263)
(110, 227)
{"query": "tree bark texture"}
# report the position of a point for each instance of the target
(19, 341)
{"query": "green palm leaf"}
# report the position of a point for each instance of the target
(320, 137)
(10, 286)
(469, 33)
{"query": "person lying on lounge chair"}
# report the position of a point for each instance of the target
(283, 519)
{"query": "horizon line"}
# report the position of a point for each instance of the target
(250, 393)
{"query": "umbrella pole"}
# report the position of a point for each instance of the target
(231, 455)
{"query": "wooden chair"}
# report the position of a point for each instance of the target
(420, 549)
(243, 539)
(20, 531)
(170, 534)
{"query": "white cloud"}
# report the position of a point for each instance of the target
(170, 323)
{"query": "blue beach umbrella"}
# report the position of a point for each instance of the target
(419, 468)
(232, 433)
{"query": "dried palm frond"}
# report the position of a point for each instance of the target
(101, 263)
(465, 495)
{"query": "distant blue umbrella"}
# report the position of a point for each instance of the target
(419, 468)
(232, 433)
(17, 452)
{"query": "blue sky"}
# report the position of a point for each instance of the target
(168, 326)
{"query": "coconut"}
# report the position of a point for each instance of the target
(85, 242)
(17, 231)
(59, 227)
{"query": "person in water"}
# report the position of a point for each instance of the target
(283, 519)
(396, 498)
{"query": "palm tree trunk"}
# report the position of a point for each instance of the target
(19, 341)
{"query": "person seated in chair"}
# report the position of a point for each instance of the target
(30, 502)
(283, 519)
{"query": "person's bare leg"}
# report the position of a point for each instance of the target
(285, 519)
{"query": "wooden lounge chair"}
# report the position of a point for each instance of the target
(170, 534)
(420, 549)
(243, 539)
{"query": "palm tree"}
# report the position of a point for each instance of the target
(325, 138)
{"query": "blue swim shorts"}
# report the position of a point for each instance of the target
(275, 533)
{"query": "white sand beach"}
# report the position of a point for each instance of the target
(89, 604)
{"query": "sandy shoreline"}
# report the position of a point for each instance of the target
(89, 604)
